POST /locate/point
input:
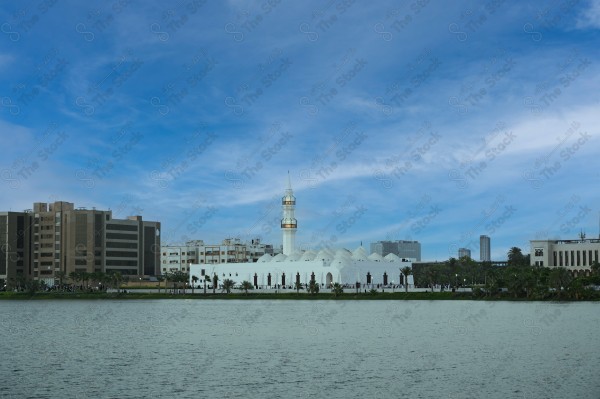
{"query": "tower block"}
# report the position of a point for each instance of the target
(289, 224)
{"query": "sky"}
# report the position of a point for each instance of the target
(418, 120)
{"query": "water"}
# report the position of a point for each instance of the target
(273, 349)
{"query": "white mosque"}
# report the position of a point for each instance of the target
(325, 266)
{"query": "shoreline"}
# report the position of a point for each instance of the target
(385, 296)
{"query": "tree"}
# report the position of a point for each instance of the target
(32, 286)
(406, 271)
(245, 286)
(337, 289)
(559, 278)
(116, 278)
(97, 277)
(596, 268)
(312, 287)
(431, 276)
(215, 281)
(160, 279)
(228, 284)
(179, 277)
(298, 286)
(194, 282)
(516, 257)
(60, 275)
(491, 283)
(577, 288)
(514, 281)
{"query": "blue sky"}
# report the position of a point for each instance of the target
(421, 120)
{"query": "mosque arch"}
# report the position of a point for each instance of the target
(328, 279)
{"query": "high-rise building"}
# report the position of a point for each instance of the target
(15, 245)
(68, 240)
(401, 248)
(462, 252)
(484, 249)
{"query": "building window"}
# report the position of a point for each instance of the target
(539, 252)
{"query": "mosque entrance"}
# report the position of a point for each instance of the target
(328, 279)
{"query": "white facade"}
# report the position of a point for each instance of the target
(575, 255)
(325, 266)
(179, 257)
(341, 266)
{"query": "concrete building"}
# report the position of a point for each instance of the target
(485, 254)
(401, 248)
(231, 250)
(68, 240)
(324, 266)
(575, 255)
(462, 252)
(15, 245)
(289, 224)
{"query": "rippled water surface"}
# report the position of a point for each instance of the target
(321, 349)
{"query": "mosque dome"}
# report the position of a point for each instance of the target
(265, 258)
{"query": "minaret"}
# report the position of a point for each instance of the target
(288, 223)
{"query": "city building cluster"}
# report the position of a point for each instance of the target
(53, 240)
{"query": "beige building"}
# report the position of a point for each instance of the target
(66, 239)
(576, 255)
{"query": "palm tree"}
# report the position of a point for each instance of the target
(407, 271)
(160, 278)
(215, 281)
(312, 287)
(194, 282)
(515, 257)
(298, 286)
(246, 285)
(116, 279)
(97, 277)
(183, 279)
(228, 284)
(60, 275)
(85, 279)
(337, 290)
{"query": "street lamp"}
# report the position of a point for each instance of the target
(456, 281)
(464, 284)
(392, 286)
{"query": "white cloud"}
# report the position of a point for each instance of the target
(590, 18)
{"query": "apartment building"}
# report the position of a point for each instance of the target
(231, 250)
(56, 238)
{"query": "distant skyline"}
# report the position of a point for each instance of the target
(397, 120)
